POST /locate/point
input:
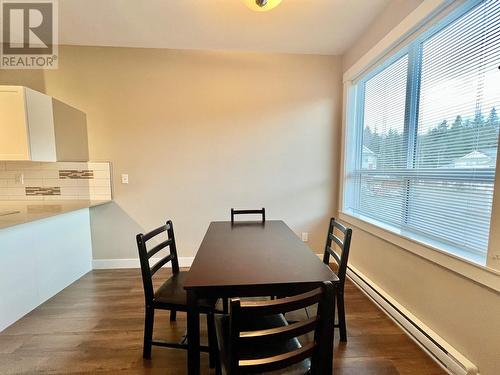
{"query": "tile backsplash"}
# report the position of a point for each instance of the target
(38, 190)
(76, 174)
(20, 180)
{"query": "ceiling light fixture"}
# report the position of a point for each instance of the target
(262, 5)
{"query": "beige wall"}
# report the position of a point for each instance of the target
(200, 132)
(463, 312)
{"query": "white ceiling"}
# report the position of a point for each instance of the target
(295, 26)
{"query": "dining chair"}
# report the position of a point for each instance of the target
(225, 303)
(343, 243)
(256, 338)
(248, 212)
(171, 294)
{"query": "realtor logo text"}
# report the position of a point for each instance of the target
(28, 34)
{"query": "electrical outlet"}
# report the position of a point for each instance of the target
(305, 236)
(19, 179)
(124, 178)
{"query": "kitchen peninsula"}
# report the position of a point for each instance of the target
(47, 187)
(45, 235)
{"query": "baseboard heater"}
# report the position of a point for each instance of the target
(443, 353)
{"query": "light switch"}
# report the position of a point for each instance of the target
(124, 178)
(305, 236)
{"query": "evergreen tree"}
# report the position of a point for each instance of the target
(440, 146)
(493, 118)
(457, 123)
(478, 119)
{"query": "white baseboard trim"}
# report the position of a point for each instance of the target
(105, 264)
(442, 352)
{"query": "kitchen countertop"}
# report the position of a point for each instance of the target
(26, 211)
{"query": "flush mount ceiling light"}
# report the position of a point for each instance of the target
(262, 5)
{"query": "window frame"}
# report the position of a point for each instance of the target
(353, 130)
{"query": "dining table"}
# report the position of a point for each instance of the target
(248, 259)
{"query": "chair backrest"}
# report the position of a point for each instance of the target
(321, 324)
(248, 212)
(343, 244)
(145, 254)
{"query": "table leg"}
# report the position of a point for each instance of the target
(331, 339)
(322, 363)
(193, 328)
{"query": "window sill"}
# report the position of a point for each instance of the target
(475, 272)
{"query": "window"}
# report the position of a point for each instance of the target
(422, 152)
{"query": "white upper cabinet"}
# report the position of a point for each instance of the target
(36, 127)
(14, 141)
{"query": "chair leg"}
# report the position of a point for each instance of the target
(173, 315)
(218, 365)
(341, 314)
(148, 332)
(212, 341)
(225, 305)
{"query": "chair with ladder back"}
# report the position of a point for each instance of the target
(248, 212)
(256, 337)
(171, 294)
(262, 212)
(343, 243)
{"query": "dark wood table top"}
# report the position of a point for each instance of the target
(254, 253)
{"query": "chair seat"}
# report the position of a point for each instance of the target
(268, 349)
(172, 292)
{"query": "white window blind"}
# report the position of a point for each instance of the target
(425, 157)
(384, 148)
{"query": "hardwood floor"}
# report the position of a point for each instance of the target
(95, 327)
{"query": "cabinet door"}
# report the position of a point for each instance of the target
(13, 128)
(70, 127)
(40, 117)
